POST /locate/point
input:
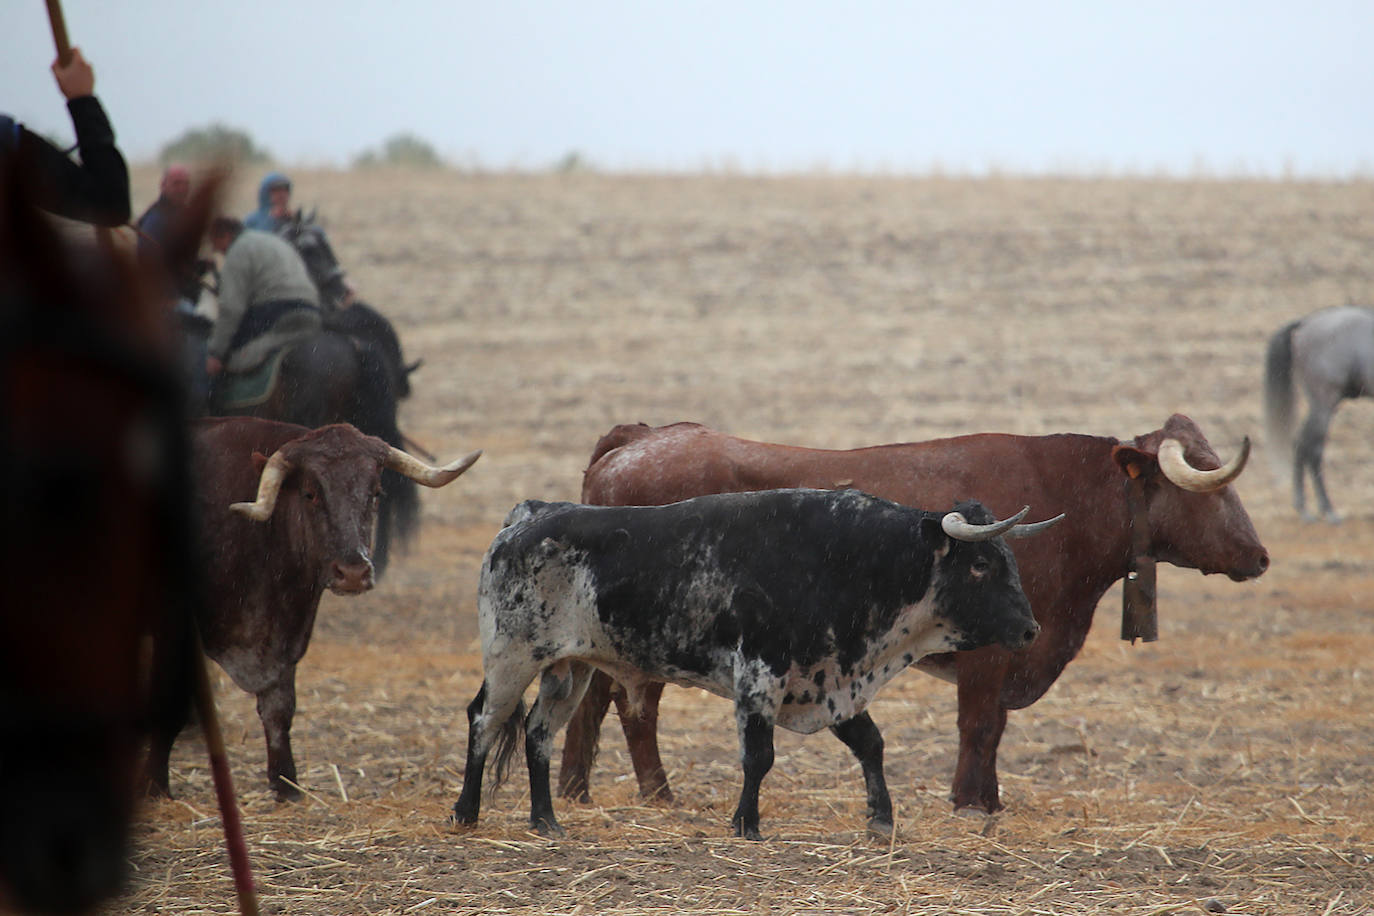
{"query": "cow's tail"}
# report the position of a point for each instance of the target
(1278, 399)
(512, 736)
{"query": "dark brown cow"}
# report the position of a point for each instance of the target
(1108, 489)
(95, 536)
(270, 556)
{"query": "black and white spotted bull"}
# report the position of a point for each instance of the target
(797, 604)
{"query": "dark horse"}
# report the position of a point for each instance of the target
(1331, 354)
(97, 551)
(352, 371)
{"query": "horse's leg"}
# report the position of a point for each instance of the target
(1311, 445)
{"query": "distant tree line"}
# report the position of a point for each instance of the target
(219, 142)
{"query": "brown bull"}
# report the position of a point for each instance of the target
(1162, 496)
(286, 512)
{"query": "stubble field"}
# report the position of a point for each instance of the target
(1225, 768)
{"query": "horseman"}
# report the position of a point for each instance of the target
(263, 287)
(274, 214)
(274, 204)
(96, 189)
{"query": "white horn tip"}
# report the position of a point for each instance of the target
(252, 510)
(465, 462)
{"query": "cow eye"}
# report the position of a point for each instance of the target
(980, 566)
(311, 494)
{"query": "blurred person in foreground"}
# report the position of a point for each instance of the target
(156, 226)
(93, 190)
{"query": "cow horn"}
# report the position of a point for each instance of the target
(961, 529)
(412, 467)
(1186, 477)
(269, 485)
(1033, 528)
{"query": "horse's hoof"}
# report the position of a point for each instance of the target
(1334, 518)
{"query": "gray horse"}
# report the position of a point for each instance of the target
(1331, 352)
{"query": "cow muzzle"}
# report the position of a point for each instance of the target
(1020, 634)
(1255, 568)
(351, 578)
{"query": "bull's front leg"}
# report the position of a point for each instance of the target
(982, 719)
(276, 709)
(861, 736)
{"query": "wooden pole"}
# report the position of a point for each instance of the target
(59, 32)
(224, 786)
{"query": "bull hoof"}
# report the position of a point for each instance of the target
(287, 793)
(583, 797)
(748, 833)
(575, 789)
(880, 828)
(974, 809)
(548, 828)
(660, 796)
(461, 817)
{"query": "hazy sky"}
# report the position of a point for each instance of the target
(1222, 86)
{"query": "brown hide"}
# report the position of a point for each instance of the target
(1064, 571)
(264, 580)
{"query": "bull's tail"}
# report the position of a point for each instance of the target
(1278, 399)
(512, 737)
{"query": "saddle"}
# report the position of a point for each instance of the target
(252, 371)
(240, 390)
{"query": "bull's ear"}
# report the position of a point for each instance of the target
(259, 461)
(1133, 462)
(933, 533)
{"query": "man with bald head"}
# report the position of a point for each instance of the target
(173, 193)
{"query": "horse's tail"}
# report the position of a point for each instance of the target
(399, 510)
(1278, 399)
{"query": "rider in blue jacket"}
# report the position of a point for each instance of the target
(274, 203)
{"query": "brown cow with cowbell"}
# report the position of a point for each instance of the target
(1162, 496)
(286, 512)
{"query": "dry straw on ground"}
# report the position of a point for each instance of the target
(1223, 769)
